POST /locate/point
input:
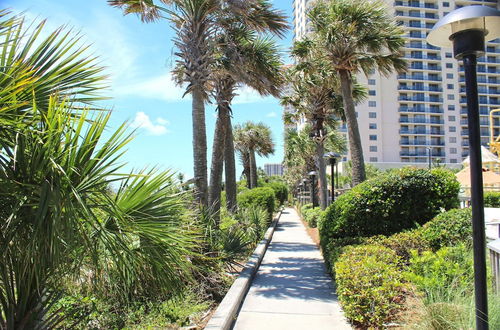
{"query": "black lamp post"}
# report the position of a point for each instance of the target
(300, 192)
(304, 185)
(467, 29)
(429, 149)
(332, 156)
(312, 174)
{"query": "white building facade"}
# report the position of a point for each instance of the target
(407, 116)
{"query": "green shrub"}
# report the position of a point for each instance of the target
(258, 197)
(255, 217)
(492, 199)
(306, 207)
(280, 191)
(402, 243)
(311, 216)
(449, 228)
(332, 249)
(369, 285)
(450, 269)
(390, 203)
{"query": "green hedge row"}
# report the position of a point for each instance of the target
(311, 215)
(492, 199)
(280, 191)
(258, 197)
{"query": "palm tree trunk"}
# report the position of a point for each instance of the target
(230, 166)
(320, 165)
(358, 164)
(246, 168)
(214, 190)
(199, 146)
(253, 169)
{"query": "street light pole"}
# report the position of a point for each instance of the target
(466, 29)
(332, 166)
(312, 174)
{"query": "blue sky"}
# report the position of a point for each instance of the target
(138, 58)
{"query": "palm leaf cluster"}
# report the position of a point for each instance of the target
(60, 218)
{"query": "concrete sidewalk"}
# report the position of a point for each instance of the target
(291, 289)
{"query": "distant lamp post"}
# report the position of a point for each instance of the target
(429, 150)
(467, 29)
(312, 175)
(332, 156)
(304, 185)
(300, 192)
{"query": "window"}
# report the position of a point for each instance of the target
(356, 114)
(373, 159)
(449, 75)
(372, 115)
(450, 97)
(446, 4)
(451, 118)
(449, 86)
(373, 137)
(453, 139)
(448, 55)
(451, 107)
(371, 81)
(373, 148)
(449, 65)
(453, 151)
(372, 104)
(453, 161)
(453, 129)
(371, 92)
(372, 126)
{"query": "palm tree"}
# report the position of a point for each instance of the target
(196, 23)
(251, 138)
(255, 62)
(315, 84)
(354, 36)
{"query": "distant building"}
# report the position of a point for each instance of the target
(410, 115)
(273, 169)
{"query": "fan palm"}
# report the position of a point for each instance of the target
(251, 138)
(196, 23)
(255, 62)
(315, 85)
(354, 36)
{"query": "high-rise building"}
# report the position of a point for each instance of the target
(424, 110)
(273, 169)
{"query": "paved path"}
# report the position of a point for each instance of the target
(291, 290)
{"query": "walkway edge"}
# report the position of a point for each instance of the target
(228, 308)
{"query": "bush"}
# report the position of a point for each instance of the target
(402, 243)
(255, 217)
(450, 269)
(448, 229)
(332, 249)
(280, 191)
(306, 207)
(390, 203)
(492, 199)
(311, 216)
(369, 285)
(258, 197)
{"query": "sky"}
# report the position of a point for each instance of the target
(138, 58)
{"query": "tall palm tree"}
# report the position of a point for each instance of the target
(315, 95)
(255, 62)
(251, 138)
(354, 36)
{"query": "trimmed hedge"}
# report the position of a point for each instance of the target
(390, 203)
(491, 199)
(312, 216)
(262, 197)
(280, 191)
(369, 285)
(448, 229)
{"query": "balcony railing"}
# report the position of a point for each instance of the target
(421, 121)
(420, 110)
(420, 99)
(421, 143)
(420, 132)
(421, 154)
(418, 77)
(424, 57)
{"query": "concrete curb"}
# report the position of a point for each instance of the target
(226, 312)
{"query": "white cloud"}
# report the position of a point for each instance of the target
(142, 120)
(249, 95)
(271, 114)
(161, 87)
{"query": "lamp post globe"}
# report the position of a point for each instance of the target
(332, 156)
(466, 30)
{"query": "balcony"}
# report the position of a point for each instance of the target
(420, 46)
(420, 99)
(482, 101)
(420, 132)
(421, 143)
(421, 154)
(420, 110)
(491, 80)
(424, 57)
(481, 122)
(425, 67)
(483, 90)
(414, 5)
(421, 121)
(405, 76)
(420, 88)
